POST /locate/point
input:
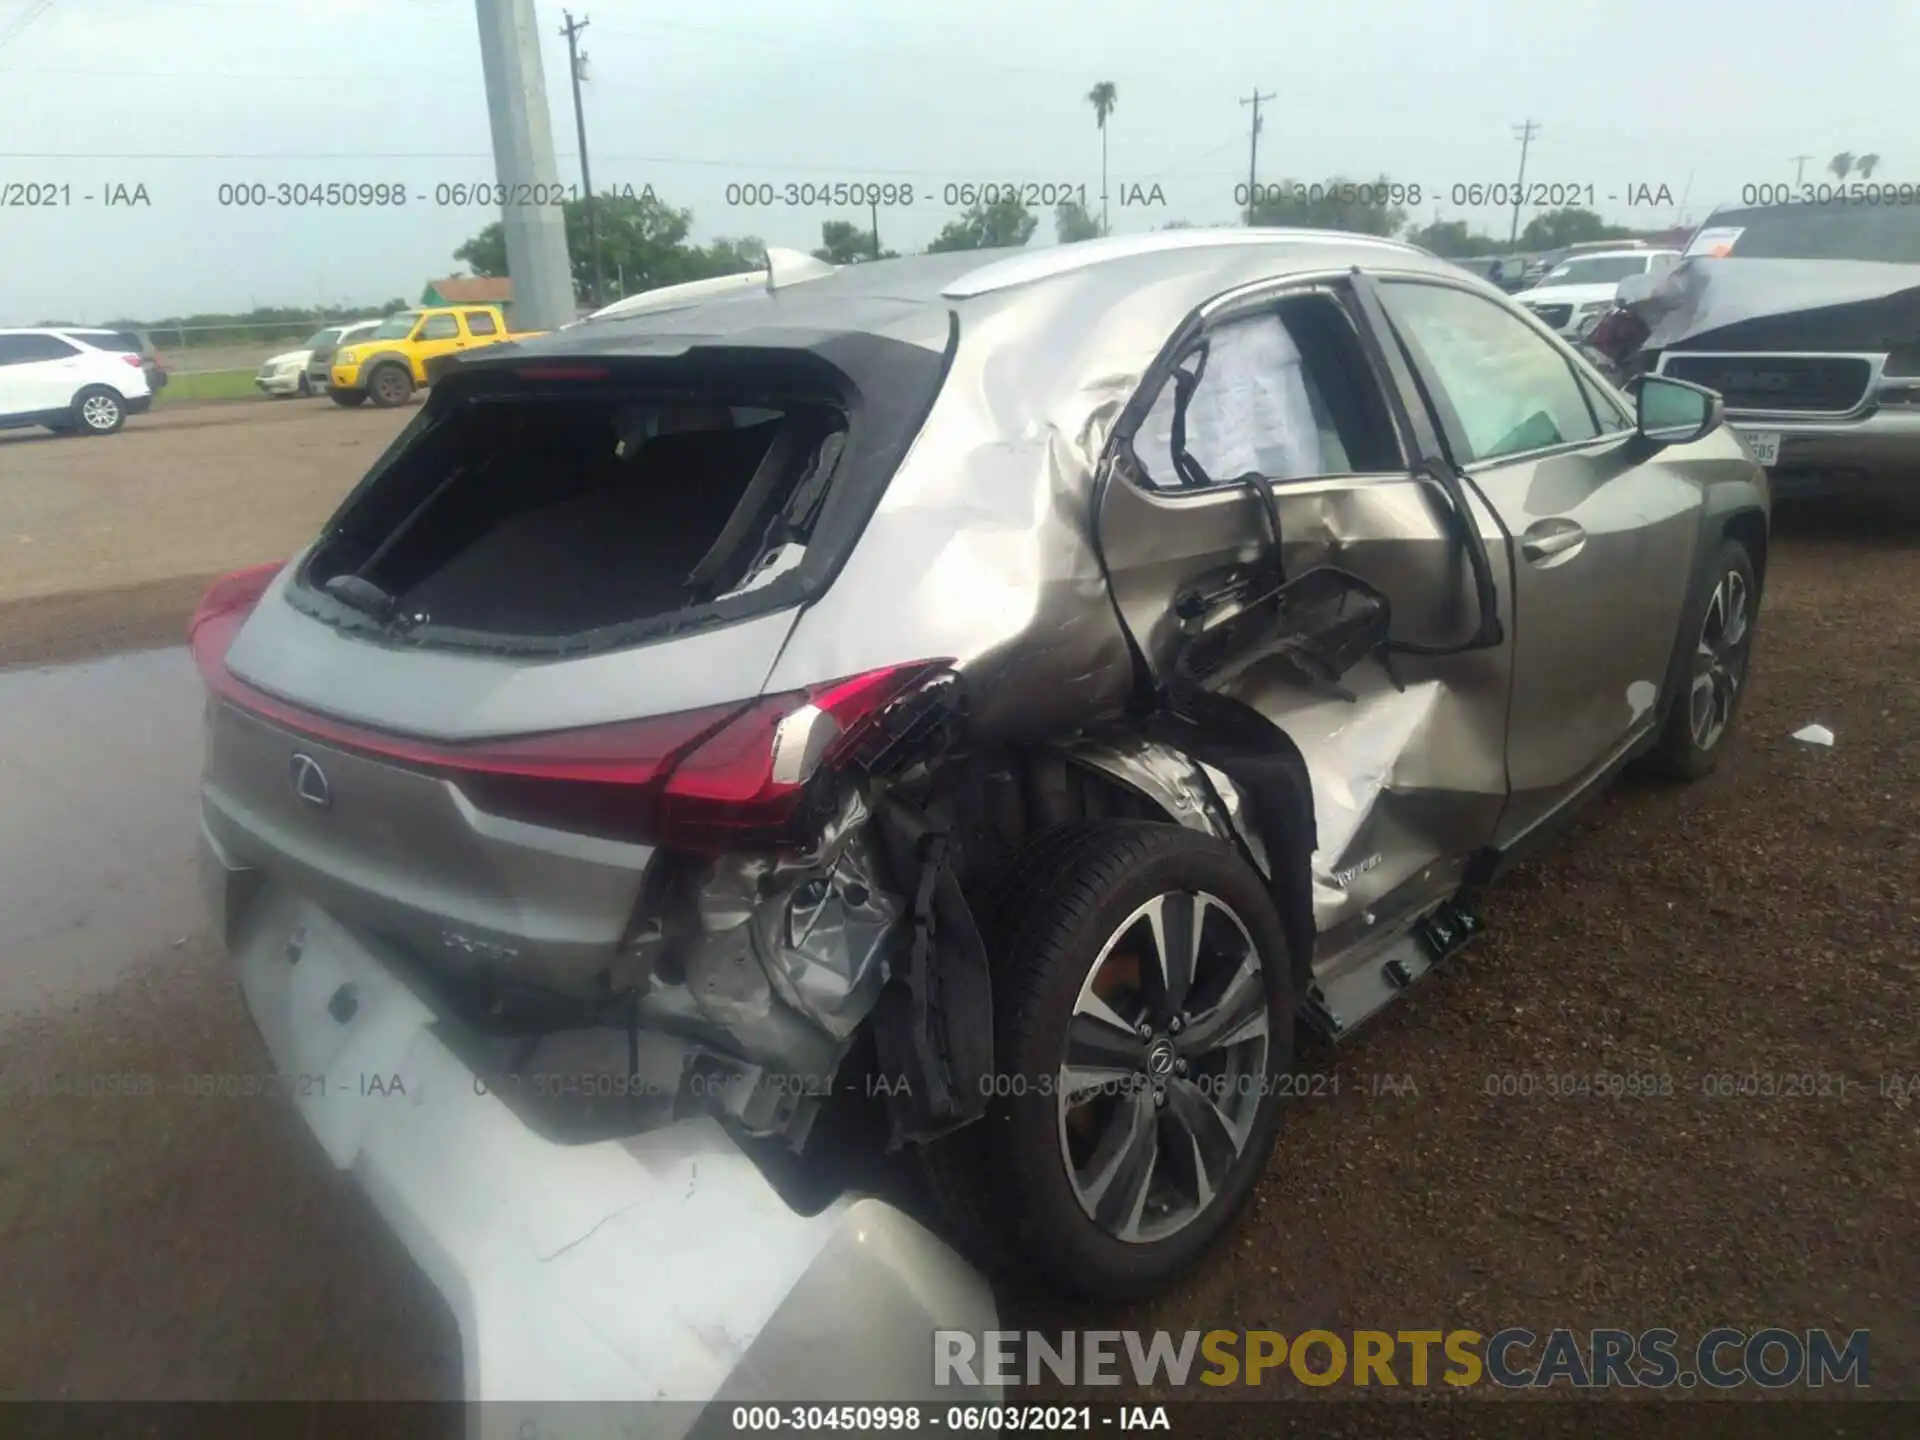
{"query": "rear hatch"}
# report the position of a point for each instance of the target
(528, 653)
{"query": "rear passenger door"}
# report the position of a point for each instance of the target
(1289, 400)
(1602, 538)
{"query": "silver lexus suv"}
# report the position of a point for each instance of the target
(970, 705)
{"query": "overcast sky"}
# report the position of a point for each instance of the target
(181, 96)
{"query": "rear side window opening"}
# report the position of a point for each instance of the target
(576, 512)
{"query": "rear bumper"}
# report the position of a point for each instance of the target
(139, 404)
(664, 1266)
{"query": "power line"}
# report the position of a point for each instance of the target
(575, 63)
(1525, 134)
(1253, 148)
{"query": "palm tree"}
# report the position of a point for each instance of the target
(1103, 97)
(1841, 164)
(1866, 164)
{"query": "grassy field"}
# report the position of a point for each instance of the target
(209, 385)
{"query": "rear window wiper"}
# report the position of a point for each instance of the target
(358, 593)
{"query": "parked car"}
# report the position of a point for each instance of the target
(291, 372)
(322, 345)
(404, 352)
(990, 694)
(1806, 319)
(71, 381)
(1583, 284)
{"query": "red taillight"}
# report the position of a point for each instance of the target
(231, 597)
(133, 360)
(708, 780)
(561, 372)
(749, 779)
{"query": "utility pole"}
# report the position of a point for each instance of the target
(874, 211)
(575, 61)
(1525, 134)
(1799, 168)
(536, 235)
(1253, 148)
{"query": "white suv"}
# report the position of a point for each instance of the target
(1583, 285)
(60, 379)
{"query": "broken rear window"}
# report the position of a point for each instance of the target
(554, 514)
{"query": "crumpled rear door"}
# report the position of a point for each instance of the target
(1407, 782)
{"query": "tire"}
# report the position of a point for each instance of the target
(348, 398)
(1069, 938)
(99, 410)
(390, 386)
(1708, 681)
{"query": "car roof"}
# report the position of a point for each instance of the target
(1615, 254)
(1161, 277)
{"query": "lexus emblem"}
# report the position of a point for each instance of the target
(310, 781)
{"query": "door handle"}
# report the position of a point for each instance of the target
(1548, 541)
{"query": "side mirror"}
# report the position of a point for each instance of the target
(1673, 412)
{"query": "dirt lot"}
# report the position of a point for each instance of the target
(109, 543)
(1758, 932)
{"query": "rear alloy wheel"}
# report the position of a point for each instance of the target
(1144, 1027)
(348, 398)
(98, 411)
(1155, 1104)
(1705, 705)
(390, 386)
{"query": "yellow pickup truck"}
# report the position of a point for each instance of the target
(388, 364)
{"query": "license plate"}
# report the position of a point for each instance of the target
(1765, 445)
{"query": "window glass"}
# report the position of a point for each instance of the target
(1889, 233)
(25, 349)
(397, 326)
(115, 342)
(1511, 389)
(1284, 394)
(440, 327)
(1611, 418)
(479, 322)
(1595, 270)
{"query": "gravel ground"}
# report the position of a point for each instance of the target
(1759, 926)
(107, 543)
